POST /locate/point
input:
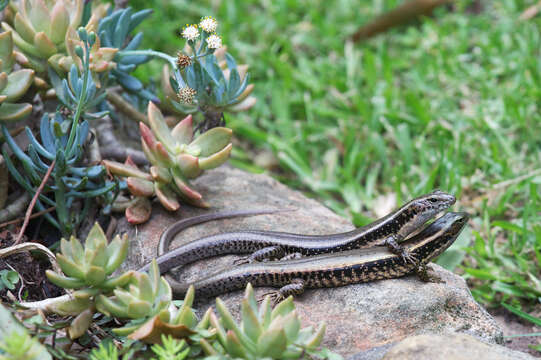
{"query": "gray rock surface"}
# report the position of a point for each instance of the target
(359, 317)
(451, 347)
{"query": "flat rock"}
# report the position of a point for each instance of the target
(451, 347)
(358, 317)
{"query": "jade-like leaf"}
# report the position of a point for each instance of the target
(186, 317)
(63, 281)
(283, 308)
(120, 169)
(69, 267)
(72, 307)
(162, 155)
(146, 288)
(116, 252)
(44, 45)
(206, 163)
(138, 309)
(160, 174)
(183, 131)
(230, 324)
(59, 22)
(249, 89)
(24, 28)
(139, 211)
(95, 275)
(25, 46)
(166, 197)
(38, 15)
(109, 307)
(291, 325)
(272, 343)
(14, 112)
(159, 127)
(250, 323)
(189, 165)
(95, 238)
(233, 346)
(153, 330)
(6, 51)
(210, 142)
(65, 249)
(118, 281)
(77, 250)
(316, 339)
(80, 324)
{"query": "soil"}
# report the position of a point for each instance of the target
(513, 325)
(31, 268)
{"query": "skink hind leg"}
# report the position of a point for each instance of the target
(392, 243)
(296, 287)
(270, 252)
(424, 275)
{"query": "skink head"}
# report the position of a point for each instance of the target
(438, 236)
(437, 200)
(420, 210)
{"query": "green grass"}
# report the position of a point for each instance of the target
(448, 102)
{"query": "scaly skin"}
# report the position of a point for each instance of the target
(333, 270)
(389, 230)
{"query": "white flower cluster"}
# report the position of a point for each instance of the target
(214, 41)
(190, 32)
(208, 24)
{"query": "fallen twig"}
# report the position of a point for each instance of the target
(399, 15)
(15, 208)
(111, 148)
(125, 107)
(33, 202)
(15, 249)
(34, 215)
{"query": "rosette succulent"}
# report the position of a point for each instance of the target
(175, 157)
(147, 302)
(40, 26)
(90, 266)
(263, 332)
(88, 269)
(13, 84)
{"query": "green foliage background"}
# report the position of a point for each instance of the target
(447, 102)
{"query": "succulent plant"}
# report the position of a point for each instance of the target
(100, 58)
(88, 269)
(175, 158)
(62, 141)
(13, 84)
(113, 31)
(263, 332)
(227, 81)
(206, 78)
(147, 301)
(91, 265)
(40, 26)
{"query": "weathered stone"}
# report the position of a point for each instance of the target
(450, 347)
(359, 317)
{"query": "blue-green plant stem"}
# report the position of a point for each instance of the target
(80, 102)
(170, 59)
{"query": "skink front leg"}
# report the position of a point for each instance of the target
(392, 243)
